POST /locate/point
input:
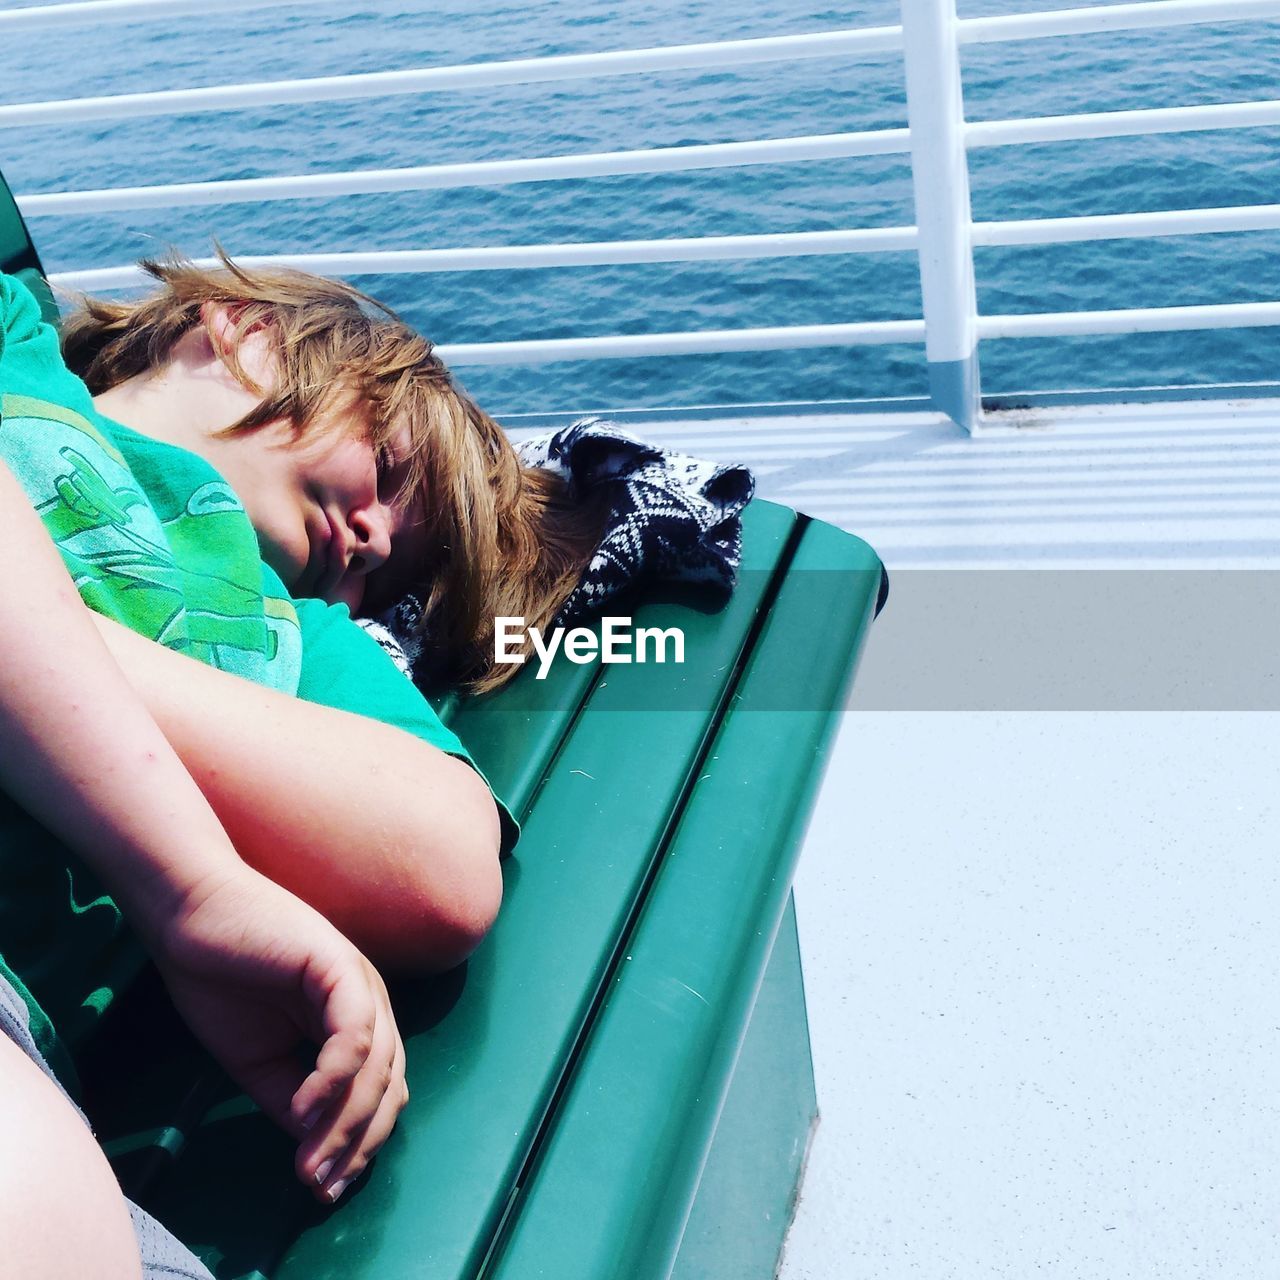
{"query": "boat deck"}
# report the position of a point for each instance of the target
(1038, 899)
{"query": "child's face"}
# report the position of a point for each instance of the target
(324, 506)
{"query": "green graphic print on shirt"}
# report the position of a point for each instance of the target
(153, 538)
(161, 566)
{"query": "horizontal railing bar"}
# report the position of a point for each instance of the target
(1121, 124)
(535, 256)
(1119, 17)
(1124, 226)
(720, 155)
(1035, 231)
(876, 333)
(867, 333)
(650, 160)
(843, 42)
(726, 53)
(708, 342)
(1066, 324)
(46, 16)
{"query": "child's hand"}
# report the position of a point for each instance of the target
(256, 973)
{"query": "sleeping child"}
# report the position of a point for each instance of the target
(203, 759)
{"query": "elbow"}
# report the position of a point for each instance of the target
(448, 936)
(439, 923)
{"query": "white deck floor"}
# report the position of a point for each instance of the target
(1042, 942)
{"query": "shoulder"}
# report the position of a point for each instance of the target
(31, 364)
(19, 311)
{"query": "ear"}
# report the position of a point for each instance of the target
(219, 326)
(251, 344)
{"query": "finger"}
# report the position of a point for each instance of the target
(365, 1142)
(347, 1020)
(367, 1145)
(273, 1087)
(359, 1123)
(345, 1123)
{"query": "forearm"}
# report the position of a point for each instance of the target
(392, 839)
(78, 748)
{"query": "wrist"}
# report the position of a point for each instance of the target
(153, 894)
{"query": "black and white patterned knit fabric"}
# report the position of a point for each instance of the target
(672, 517)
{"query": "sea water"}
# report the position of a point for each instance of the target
(1226, 62)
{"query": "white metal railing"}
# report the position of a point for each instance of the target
(483, 173)
(55, 17)
(704, 56)
(1122, 124)
(940, 181)
(1061, 324)
(704, 342)
(1120, 17)
(483, 75)
(792, 244)
(608, 164)
(1022, 26)
(938, 139)
(1125, 226)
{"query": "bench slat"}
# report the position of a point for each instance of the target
(514, 735)
(623, 1157)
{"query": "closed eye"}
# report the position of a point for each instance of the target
(394, 455)
(387, 465)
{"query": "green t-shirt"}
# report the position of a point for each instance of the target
(155, 538)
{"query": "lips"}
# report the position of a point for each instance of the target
(336, 584)
(328, 575)
(326, 563)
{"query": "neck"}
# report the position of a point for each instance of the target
(185, 402)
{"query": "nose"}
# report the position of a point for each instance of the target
(371, 527)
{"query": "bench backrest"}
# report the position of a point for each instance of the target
(18, 255)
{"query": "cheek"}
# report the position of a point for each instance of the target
(284, 547)
(265, 489)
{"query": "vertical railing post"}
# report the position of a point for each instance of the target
(940, 177)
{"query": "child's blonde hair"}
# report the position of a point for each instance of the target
(505, 539)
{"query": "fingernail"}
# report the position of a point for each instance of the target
(309, 1122)
(338, 1188)
(323, 1172)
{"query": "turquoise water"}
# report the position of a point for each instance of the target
(1182, 66)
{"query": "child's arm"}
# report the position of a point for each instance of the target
(386, 835)
(247, 963)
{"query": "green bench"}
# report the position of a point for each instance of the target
(618, 1083)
